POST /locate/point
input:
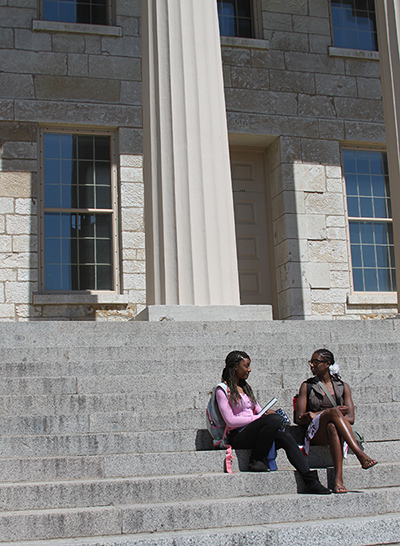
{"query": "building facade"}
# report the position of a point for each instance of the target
(312, 232)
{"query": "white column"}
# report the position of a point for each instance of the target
(388, 23)
(190, 228)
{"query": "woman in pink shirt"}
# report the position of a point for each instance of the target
(247, 430)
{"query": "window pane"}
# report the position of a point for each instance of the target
(370, 280)
(235, 18)
(358, 280)
(354, 24)
(77, 243)
(76, 11)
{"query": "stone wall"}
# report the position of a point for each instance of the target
(313, 99)
(60, 75)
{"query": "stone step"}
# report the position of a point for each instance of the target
(181, 487)
(194, 515)
(370, 530)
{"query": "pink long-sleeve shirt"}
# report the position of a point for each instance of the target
(243, 413)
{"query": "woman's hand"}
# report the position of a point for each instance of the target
(268, 412)
(343, 409)
(307, 417)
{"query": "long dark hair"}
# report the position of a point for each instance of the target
(228, 376)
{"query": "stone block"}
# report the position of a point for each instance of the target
(364, 68)
(26, 206)
(19, 164)
(130, 8)
(15, 183)
(133, 266)
(93, 44)
(132, 195)
(267, 59)
(24, 243)
(262, 102)
(291, 6)
(365, 131)
(287, 202)
(369, 88)
(7, 311)
(323, 152)
(15, 150)
(316, 106)
(2, 224)
(328, 309)
(6, 205)
(133, 239)
(128, 160)
(6, 110)
(288, 41)
(233, 56)
(288, 276)
(18, 131)
(16, 85)
(19, 292)
(27, 275)
(12, 17)
(6, 38)
(115, 68)
(333, 85)
(20, 259)
(297, 82)
(20, 224)
(306, 62)
(336, 233)
(249, 78)
(130, 140)
(311, 25)
(311, 227)
(131, 93)
(329, 129)
(68, 43)
(359, 109)
(336, 221)
(318, 9)
(132, 219)
(276, 21)
(122, 47)
(130, 25)
(285, 227)
(335, 185)
(309, 177)
(319, 44)
(328, 251)
(5, 243)
(34, 41)
(82, 89)
(78, 65)
(317, 275)
(134, 281)
(79, 113)
(131, 174)
(32, 62)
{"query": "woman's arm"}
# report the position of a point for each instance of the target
(348, 403)
(232, 420)
(304, 417)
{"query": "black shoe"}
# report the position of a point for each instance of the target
(312, 484)
(258, 466)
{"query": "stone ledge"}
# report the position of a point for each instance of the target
(205, 313)
(251, 43)
(372, 298)
(103, 298)
(76, 28)
(353, 53)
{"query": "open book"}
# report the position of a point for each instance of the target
(268, 406)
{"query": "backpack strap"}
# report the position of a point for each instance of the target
(328, 394)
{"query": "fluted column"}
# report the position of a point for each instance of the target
(190, 229)
(388, 23)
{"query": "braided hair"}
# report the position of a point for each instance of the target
(328, 357)
(228, 376)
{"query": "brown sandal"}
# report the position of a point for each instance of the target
(339, 489)
(368, 463)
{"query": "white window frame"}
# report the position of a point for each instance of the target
(363, 297)
(113, 211)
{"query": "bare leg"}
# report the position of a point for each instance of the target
(343, 428)
(336, 450)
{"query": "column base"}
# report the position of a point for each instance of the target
(205, 313)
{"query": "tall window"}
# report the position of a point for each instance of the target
(77, 213)
(370, 220)
(354, 24)
(76, 11)
(236, 18)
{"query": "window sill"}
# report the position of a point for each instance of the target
(251, 43)
(76, 28)
(372, 298)
(353, 53)
(82, 298)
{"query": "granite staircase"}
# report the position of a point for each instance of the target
(103, 440)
